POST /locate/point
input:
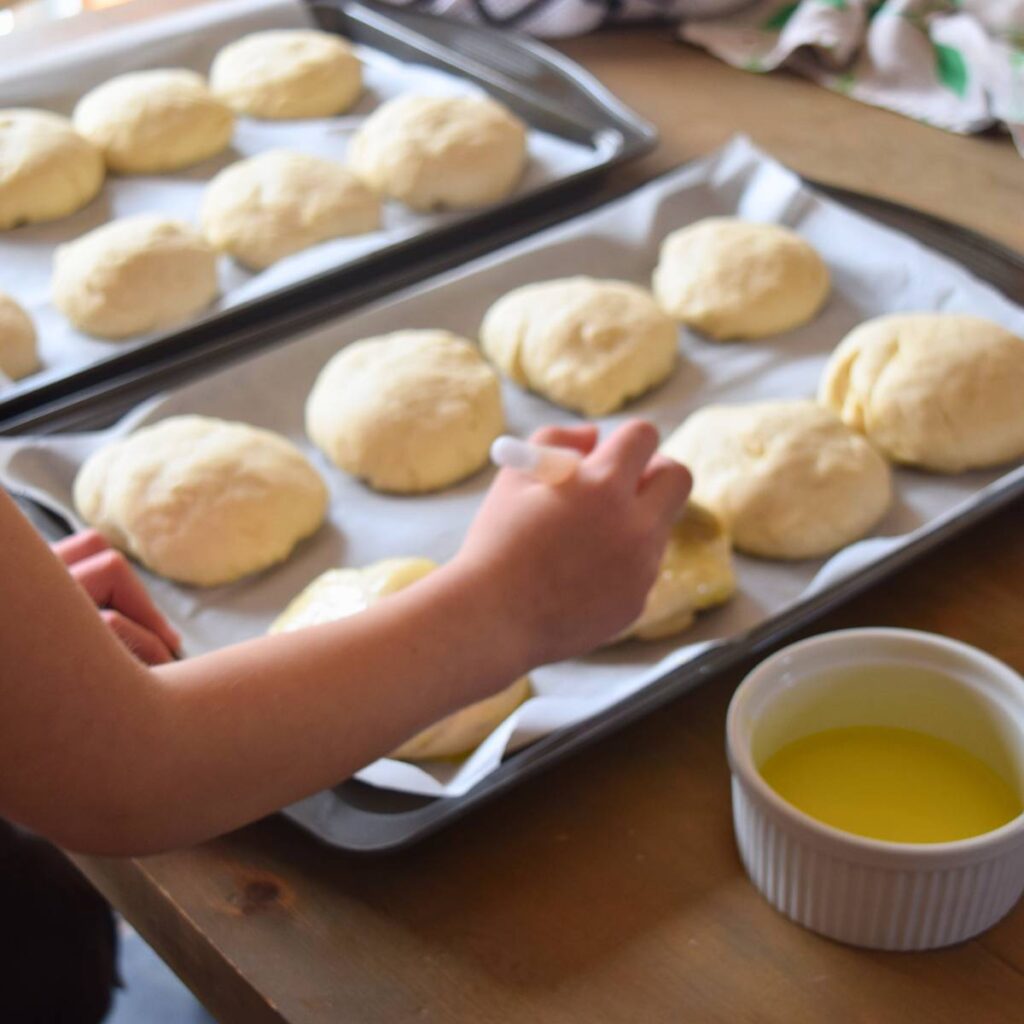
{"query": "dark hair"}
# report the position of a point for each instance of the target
(58, 940)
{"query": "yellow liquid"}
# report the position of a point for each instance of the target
(895, 784)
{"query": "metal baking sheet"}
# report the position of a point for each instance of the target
(883, 271)
(577, 132)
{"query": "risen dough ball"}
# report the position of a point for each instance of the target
(287, 73)
(17, 340)
(18, 357)
(47, 170)
(937, 390)
(695, 573)
(340, 593)
(730, 278)
(146, 122)
(200, 500)
(586, 344)
(134, 275)
(408, 412)
(788, 479)
(272, 205)
(431, 152)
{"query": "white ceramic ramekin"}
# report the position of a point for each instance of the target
(862, 891)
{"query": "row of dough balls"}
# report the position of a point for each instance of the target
(418, 410)
(149, 272)
(429, 152)
(937, 391)
(426, 151)
(206, 502)
(588, 345)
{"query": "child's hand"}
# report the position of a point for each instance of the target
(570, 565)
(124, 604)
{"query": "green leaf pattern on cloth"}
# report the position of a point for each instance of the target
(954, 64)
(951, 68)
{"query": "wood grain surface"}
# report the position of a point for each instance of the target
(697, 103)
(609, 890)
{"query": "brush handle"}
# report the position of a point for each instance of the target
(543, 462)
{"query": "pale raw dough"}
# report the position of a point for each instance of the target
(200, 500)
(47, 170)
(287, 73)
(408, 412)
(340, 593)
(696, 573)
(730, 278)
(134, 275)
(788, 479)
(147, 122)
(586, 344)
(18, 354)
(272, 205)
(432, 152)
(942, 391)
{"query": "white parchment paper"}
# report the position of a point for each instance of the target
(190, 37)
(875, 270)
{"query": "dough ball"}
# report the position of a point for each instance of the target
(134, 275)
(202, 501)
(729, 278)
(588, 345)
(408, 412)
(339, 593)
(937, 390)
(18, 355)
(272, 205)
(47, 170)
(287, 73)
(431, 152)
(147, 122)
(696, 573)
(787, 479)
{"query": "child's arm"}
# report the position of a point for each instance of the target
(103, 754)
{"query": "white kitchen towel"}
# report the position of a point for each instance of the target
(957, 64)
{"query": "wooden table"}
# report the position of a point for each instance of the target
(610, 890)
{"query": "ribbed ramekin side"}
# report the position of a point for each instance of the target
(864, 904)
